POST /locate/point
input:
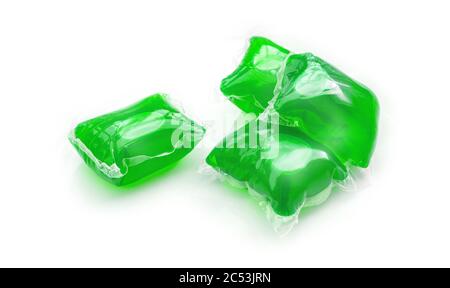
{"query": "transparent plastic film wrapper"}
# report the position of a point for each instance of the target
(310, 94)
(132, 143)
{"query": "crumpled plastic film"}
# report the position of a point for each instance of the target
(132, 143)
(327, 125)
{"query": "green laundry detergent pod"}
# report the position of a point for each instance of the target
(310, 94)
(251, 85)
(132, 143)
(281, 164)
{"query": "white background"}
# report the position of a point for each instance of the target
(62, 62)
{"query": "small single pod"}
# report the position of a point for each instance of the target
(251, 85)
(130, 144)
(329, 107)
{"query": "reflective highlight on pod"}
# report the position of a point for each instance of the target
(132, 143)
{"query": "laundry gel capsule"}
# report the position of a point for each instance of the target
(310, 94)
(132, 143)
(328, 106)
(281, 164)
(251, 85)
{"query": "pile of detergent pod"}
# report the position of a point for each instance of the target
(312, 125)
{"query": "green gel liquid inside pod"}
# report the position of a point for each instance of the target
(288, 170)
(251, 85)
(310, 94)
(130, 144)
(328, 106)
